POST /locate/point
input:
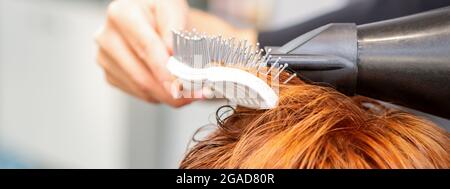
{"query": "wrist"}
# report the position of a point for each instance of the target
(213, 25)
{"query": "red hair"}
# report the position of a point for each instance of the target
(317, 127)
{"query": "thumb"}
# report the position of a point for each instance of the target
(170, 15)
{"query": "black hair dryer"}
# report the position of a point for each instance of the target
(405, 61)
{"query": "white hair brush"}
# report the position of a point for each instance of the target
(229, 69)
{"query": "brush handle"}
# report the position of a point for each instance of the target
(238, 86)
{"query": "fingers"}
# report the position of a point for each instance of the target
(119, 84)
(115, 77)
(118, 78)
(113, 44)
(136, 23)
(168, 18)
(121, 63)
(133, 53)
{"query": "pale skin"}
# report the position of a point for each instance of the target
(136, 42)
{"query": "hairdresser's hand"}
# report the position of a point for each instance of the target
(135, 44)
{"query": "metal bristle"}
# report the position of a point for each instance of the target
(290, 78)
(270, 69)
(280, 70)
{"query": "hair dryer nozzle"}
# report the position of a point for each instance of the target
(325, 56)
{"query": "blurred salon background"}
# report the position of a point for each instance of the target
(57, 111)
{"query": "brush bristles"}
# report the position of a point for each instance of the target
(199, 50)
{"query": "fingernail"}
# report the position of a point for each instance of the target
(207, 93)
(173, 89)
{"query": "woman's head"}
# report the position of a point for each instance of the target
(317, 127)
